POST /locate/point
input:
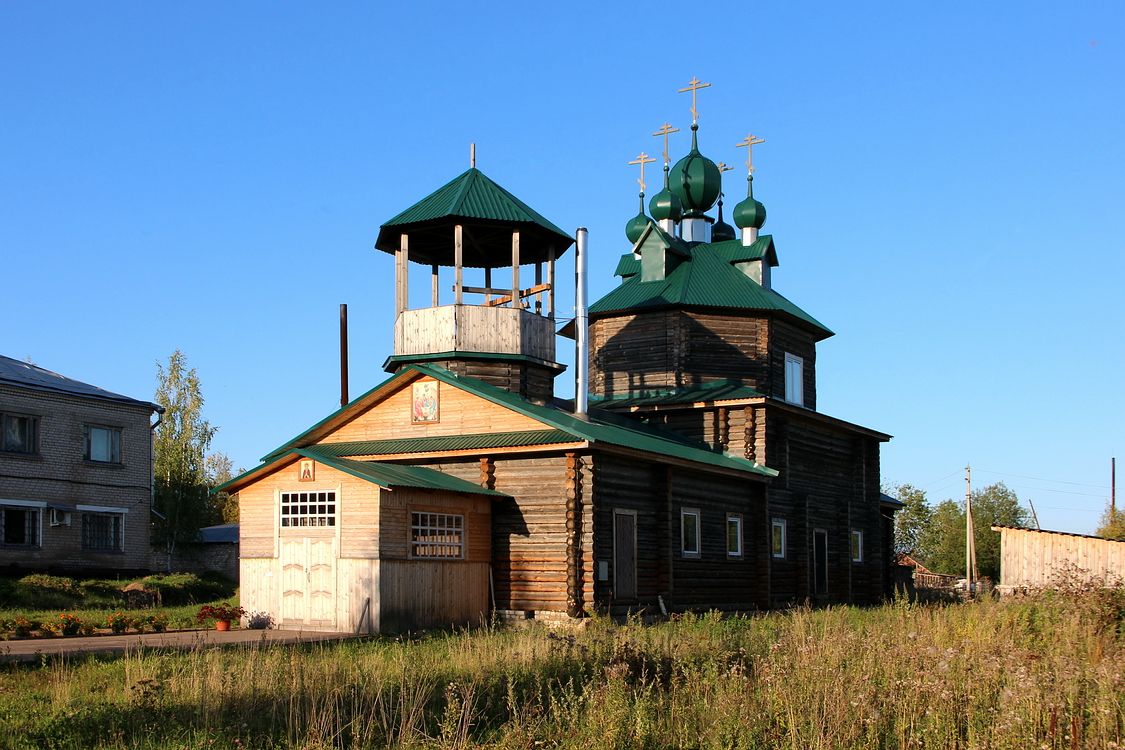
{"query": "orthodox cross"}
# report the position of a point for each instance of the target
(666, 130)
(694, 85)
(749, 142)
(643, 159)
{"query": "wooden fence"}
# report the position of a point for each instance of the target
(1036, 559)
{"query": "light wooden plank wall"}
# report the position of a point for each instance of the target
(395, 508)
(1031, 558)
(460, 413)
(428, 593)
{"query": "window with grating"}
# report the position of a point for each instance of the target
(437, 535)
(308, 509)
(103, 532)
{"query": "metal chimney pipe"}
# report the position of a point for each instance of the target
(343, 355)
(581, 326)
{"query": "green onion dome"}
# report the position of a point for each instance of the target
(636, 226)
(722, 231)
(749, 212)
(695, 179)
(666, 204)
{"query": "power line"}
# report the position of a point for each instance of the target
(1041, 479)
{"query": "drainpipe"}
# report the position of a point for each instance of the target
(581, 326)
(152, 462)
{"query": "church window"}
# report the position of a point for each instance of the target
(437, 536)
(734, 535)
(794, 379)
(689, 532)
(308, 509)
(857, 545)
(777, 537)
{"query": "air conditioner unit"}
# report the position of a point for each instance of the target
(59, 517)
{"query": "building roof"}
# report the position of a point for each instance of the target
(1001, 527)
(446, 443)
(707, 278)
(26, 375)
(224, 533)
(487, 213)
(381, 473)
(600, 427)
(719, 390)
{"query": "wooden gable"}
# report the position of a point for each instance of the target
(458, 413)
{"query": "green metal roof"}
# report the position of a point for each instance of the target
(397, 475)
(708, 279)
(482, 441)
(487, 213)
(719, 390)
(601, 426)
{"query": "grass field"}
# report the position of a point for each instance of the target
(1045, 672)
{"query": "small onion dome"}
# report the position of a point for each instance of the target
(722, 231)
(636, 226)
(695, 179)
(749, 212)
(666, 204)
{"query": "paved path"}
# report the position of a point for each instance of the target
(31, 650)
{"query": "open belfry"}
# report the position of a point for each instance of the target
(692, 469)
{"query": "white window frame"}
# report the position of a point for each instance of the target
(440, 524)
(857, 548)
(29, 505)
(737, 518)
(323, 520)
(103, 510)
(698, 551)
(794, 382)
(779, 523)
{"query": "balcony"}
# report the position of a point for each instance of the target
(472, 328)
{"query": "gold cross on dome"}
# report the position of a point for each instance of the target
(749, 142)
(643, 159)
(666, 130)
(694, 85)
(724, 167)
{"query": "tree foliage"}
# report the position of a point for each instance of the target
(220, 470)
(1111, 525)
(912, 519)
(942, 543)
(179, 456)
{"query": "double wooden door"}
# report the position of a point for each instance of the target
(308, 576)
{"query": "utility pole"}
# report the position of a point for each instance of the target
(1034, 515)
(1112, 489)
(970, 536)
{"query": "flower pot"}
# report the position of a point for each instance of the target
(222, 624)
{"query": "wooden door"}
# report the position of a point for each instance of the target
(820, 561)
(624, 555)
(308, 581)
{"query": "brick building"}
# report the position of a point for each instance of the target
(75, 473)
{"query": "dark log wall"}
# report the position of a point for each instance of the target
(783, 338)
(722, 347)
(829, 480)
(633, 353)
(658, 494)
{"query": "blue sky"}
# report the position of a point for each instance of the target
(943, 184)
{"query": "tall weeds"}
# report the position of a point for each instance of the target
(1045, 672)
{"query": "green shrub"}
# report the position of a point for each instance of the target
(46, 582)
(188, 588)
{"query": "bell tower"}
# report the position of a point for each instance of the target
(503, 331)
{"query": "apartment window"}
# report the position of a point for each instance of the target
(794, 379)
(103, 532)
(689, 532)
(103, 444)
(18, 433)
(777, 537)
(857, 545)
(438, 536)
(308, 509)
(734, 535)
(20, 525)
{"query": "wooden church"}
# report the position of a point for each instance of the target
(692, 470)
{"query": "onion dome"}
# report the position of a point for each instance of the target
(722, 231)
(636, 226)
(749, 212)
(695, 179)
(666, 204)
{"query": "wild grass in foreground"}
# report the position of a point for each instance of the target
(1042, 672)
